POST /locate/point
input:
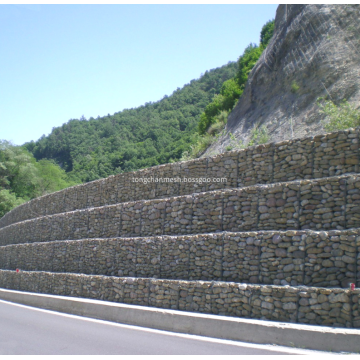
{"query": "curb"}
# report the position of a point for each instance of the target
(223, 327)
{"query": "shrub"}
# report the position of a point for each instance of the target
(231, 92)
(215, 128)
(294, 87)
(234, 143)
(246, 63)
(201, 143)
(259, 135)
(338, 117)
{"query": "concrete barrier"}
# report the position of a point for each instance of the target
(223, 327)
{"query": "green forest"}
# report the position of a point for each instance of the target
(152, 134)
(23, 178)
(179, 126)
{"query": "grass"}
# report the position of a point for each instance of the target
(294, 87)
(259, 135)
(338, 117)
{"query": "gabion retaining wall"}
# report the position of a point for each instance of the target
(305, 305)
(321, 204)
(325, 155)
(326, 259)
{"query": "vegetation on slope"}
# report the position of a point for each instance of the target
(23, 178)
(339, 117)
(153, 134)
(164, 131)
(214, 117)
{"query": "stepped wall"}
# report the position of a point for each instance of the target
(307, 158)
(311, 258)
(289, 214)
(322, 204)
(310, 305)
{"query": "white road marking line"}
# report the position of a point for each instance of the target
(269, 347)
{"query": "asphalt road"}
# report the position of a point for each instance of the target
(29, 331)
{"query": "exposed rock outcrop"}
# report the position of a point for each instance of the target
(315, 52)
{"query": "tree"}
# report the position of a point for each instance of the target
(266, 33)
(246, 62)
(18, 172)
(148, 135)
(212, 119)
(22, 178)
(52, 177)
(231, 92)
(8, 201)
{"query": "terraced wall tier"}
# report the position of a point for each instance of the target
(322, 204)
(305, 305)
(326, 259)
(307, 158)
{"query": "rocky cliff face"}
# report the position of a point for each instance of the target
(315, 52)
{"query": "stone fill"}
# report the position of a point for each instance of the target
(292, 257)
(326, 203)
(324, 155)
(278, 241)
(305, 305)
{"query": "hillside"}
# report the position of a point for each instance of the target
(162, 132)
(153, 134)
(314, 53)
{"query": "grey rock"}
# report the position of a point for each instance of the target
(268, 97)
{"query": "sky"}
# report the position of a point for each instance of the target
(62, 62)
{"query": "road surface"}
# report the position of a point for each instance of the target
(29, 331)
